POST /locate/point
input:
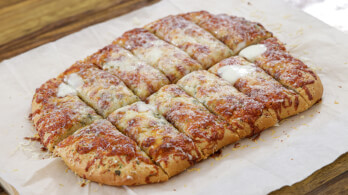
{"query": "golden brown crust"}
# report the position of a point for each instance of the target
(261, 87)
(172, 61)
(198, 43)
(244, 113)
(140, 77)
(57, 117)
(235, 32)
(289, 71)
(189, 116)
(100, 153)
(165, 145)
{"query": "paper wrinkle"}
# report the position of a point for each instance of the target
(311, 139)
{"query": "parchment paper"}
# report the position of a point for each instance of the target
(282, 155)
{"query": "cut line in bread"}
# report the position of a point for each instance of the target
(244, 113)
(271, 56)
(164, 144)
(57, 112)
(140, 77)
(198, 43)
(189, 116)
(99, 152)
(257, 84)
(172, 61)
(235, 32)
(100, 89)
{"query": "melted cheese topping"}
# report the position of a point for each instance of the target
(142, 107)
(140, 77)
(64, 90)
(223, 99)
(232, 73)
(124, 60)
(154, 53)
(198, 43)
(235, 32)
(172, 61)
(253, 52)
(75, 81)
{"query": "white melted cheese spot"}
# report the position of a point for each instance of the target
(154, 54)
(232, 73)
(75, 81)
(142, 107)
(253, 52)
(64, 90)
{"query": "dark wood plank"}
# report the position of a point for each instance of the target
(6, 3)
(331, 179)
(2, 191)
(28, 24)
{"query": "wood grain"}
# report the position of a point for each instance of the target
(331, 179)
(28, 24)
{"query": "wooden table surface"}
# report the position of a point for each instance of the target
(26, 24)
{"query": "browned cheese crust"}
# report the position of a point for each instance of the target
(260, 86)
(189, 116)
(100, 153)
(244, 113)
(172, 61)
(164, 144)
(140, 77)
(55, 117)
(235, 32)
(198, 43)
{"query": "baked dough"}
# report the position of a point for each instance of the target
(172, 61)
(140, 77)
(180, 124)
(245, 114)
(235, 32)
(99, 89)
(257, 84)
(165, 145)
(289, 71)
(99, 152)
(186, 35)
(190, 117)
(56, 115)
